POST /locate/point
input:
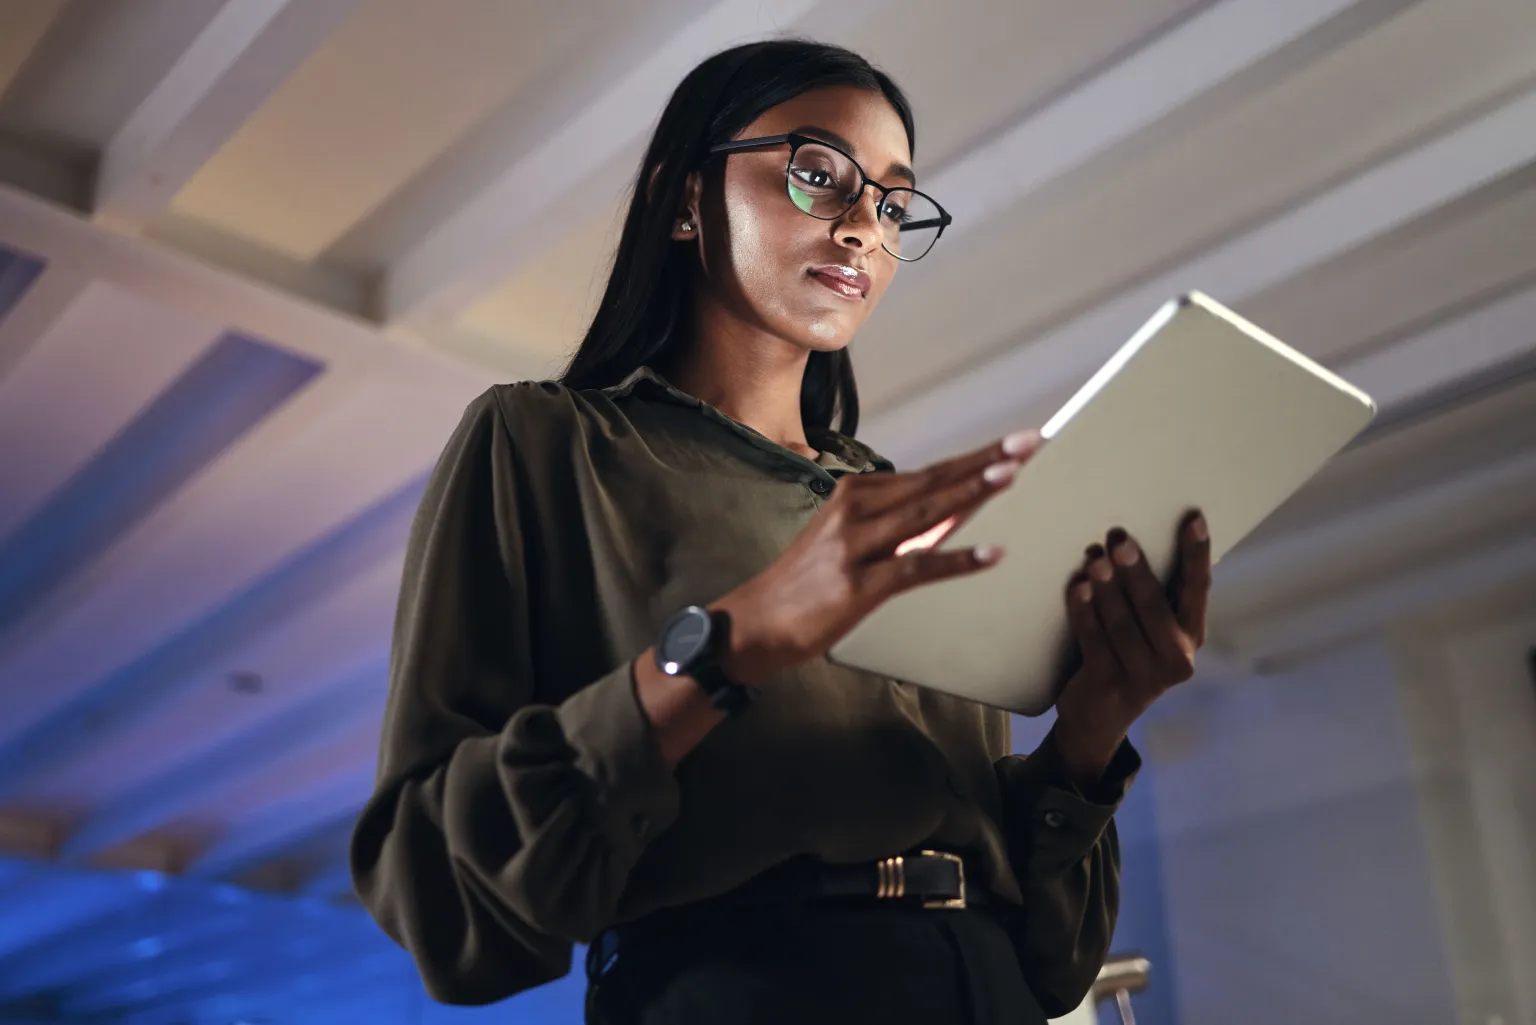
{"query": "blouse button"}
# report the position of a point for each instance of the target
(1055, 819)
(820, 486)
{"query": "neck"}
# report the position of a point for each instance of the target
(751, 376)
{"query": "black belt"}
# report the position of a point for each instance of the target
(923, 879)
(928, 879)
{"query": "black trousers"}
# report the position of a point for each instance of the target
(809, 964)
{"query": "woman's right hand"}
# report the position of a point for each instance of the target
(852, 556)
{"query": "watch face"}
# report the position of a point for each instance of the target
(684, 639)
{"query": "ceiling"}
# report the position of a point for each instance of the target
(255, 257)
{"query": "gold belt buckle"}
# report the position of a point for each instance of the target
(953, 903)
(892, 880)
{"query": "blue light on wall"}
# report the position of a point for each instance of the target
(18, 272)
(83, 945)
(1143, 924)
(236, 384)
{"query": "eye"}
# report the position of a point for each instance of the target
(814, 178)
(821, 170)
(894, 211)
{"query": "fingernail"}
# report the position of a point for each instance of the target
(1102, 571)
(1199, 529)
(1094, 551)
(1000, 473)
(1083, 593)
(987, 554)
(1126, 552)
(1020, 442)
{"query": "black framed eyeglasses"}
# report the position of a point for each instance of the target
(825, 182)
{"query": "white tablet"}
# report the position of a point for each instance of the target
(1200, 409)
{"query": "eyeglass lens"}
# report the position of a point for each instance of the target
(823, 182)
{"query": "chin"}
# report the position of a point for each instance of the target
(825, 335)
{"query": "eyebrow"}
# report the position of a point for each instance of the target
(894, 171)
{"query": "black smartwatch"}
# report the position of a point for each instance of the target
(690, 645)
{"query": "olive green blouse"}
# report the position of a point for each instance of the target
(522, 803)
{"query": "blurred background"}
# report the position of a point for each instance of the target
(256, 256)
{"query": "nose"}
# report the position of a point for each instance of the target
(859, 227)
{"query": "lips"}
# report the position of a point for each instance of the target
(854, 286)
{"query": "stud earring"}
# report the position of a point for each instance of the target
(686, 226)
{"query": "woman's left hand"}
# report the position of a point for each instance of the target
(1137, 640)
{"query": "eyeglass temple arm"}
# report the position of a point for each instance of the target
(737, 145)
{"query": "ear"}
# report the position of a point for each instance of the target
(685, 227)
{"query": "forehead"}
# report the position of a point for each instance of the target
(864, 117)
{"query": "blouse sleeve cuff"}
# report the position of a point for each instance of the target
(618, 749)
(1060, 820)
(1050, 769)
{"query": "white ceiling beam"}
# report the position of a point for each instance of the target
(487, 239)
(515, 217)
(1488, 337)
(1191, 59)
(80, 249)
(1373, 203)
(510, 361)
(316, 281)
(1306, 564)
(1283, 641)
(233, 66)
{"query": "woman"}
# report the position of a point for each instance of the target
(610, 719)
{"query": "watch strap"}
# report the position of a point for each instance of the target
(723, 692)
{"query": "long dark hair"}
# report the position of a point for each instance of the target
(645, 317)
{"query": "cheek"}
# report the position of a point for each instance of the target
(755, 242)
